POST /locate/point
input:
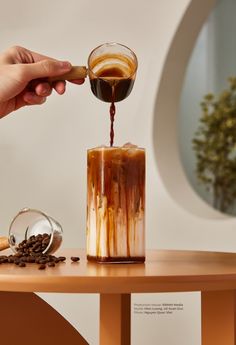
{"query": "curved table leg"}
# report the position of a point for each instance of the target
(218, 317)
(27, 319)
(115, 319)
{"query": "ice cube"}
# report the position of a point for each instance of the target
(129, 146)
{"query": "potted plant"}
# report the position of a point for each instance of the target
(215, 146)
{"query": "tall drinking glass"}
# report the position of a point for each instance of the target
(116, 204)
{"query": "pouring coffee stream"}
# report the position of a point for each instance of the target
(112, 118)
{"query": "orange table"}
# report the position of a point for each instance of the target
(214, 274)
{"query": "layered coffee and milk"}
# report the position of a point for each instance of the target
(116, 204)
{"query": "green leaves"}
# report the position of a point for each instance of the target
(215, 146)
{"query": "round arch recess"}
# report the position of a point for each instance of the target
(165, 129)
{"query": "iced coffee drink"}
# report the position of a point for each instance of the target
(116, 204)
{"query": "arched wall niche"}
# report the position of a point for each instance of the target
(165, 126)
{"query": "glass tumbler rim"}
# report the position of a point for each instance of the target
(113, 148)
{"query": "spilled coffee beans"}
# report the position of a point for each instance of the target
(31, 251)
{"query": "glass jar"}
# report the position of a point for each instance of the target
(30, 222)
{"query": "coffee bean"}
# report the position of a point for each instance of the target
(45, 240)
(30, 259)
(42, 261)
(35, 246)
(22, 264)
(51, 264)
(23, 259)
(38, 250)
(42, 267)
(75, 258)
(36, 254)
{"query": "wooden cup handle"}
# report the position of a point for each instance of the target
(4, 243)
(77, 72)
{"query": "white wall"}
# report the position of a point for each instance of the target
(43, 149)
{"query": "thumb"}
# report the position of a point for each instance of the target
(46, 68)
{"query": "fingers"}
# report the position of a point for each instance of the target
(26, 98)
(44, 68)
(49, 68)
(45, 89)
(77, 81)
(60, 87)
(42, 89)
(38, 57)
(31, 98)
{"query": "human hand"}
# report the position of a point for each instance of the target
(23, 78)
